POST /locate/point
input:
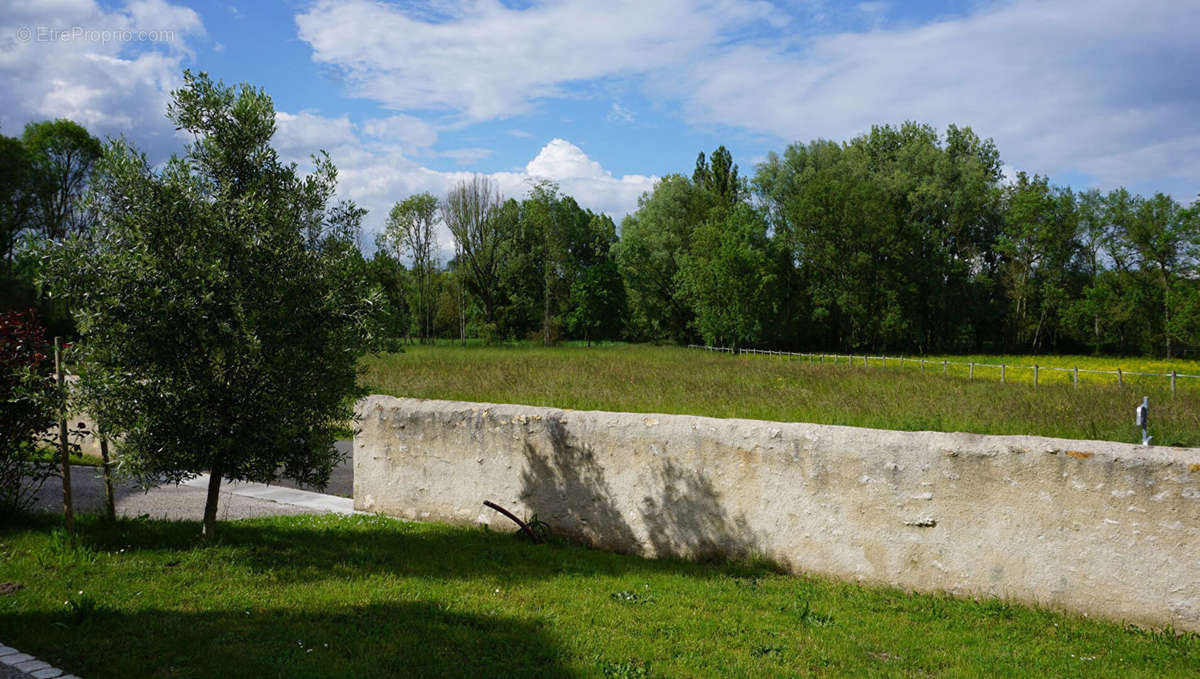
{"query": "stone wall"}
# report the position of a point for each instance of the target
(1106, 529)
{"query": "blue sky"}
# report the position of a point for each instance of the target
(604, 97)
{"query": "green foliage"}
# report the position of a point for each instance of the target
(655, 240)
(62, 155)
(727, 277)
(890, 236)
(221, 305)
(410, 233)
(16, 195)
(388, 275)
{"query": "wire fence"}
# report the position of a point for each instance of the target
(866, 360)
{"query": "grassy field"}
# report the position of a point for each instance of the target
(639, 378)
(325, 596)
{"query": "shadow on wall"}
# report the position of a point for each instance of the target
(681, 510)
(688, 519)
(567, 489)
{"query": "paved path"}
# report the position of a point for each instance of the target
(186, 501)
(17, 665)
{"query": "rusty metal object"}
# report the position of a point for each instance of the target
(524, 526)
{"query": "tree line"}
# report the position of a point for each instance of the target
(901, 239)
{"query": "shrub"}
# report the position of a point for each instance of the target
(31, 400)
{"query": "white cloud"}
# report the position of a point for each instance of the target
(72, 59)
(408, 130)
(377, 175)
(1100, 87)
(466, 156)
(560, 159)
(1089, 86)
(484, 60)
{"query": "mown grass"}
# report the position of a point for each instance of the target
(326, 596)
(639, 378)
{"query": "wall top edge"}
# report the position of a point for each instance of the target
(949, 442)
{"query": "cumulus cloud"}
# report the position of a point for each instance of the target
(110, 71)
(377, 175)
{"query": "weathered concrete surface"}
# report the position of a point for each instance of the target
(1102, 528)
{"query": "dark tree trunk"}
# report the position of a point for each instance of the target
(110, 510)
(63, 449)
(210, 502)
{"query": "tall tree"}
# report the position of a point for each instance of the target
(388, 275)
(411, 232)
(1165, 238)
(16, 195)
(720, 177)
(1036, 249)
(654, 241)
(727, 277)
(470, 212)
(596, 309)
(218, 337)
(63, 154)
(544, 210)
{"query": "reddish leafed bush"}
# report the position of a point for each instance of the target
(31, 400)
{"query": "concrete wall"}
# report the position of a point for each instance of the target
(1107, 529)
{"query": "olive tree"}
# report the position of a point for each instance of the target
(220, 304)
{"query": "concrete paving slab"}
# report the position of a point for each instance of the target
(317, 502)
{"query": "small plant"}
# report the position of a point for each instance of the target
(995, 608)
(539, 528)
(64, 551)
(1185, 643)
(624, 669)
(80, 608)
(767, 651)
(631, 598)
(808, 616)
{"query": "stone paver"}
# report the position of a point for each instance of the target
(17, 665)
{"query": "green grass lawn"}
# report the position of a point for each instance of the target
(326, 596)
(639, 378)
